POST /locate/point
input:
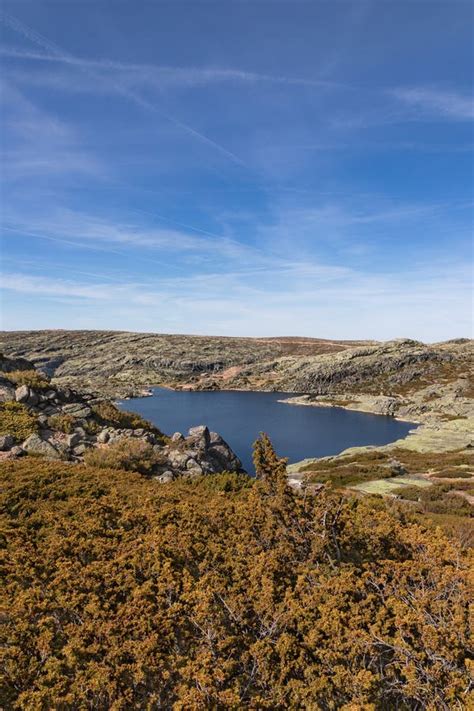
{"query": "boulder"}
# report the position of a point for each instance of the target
(103, 437)
(26, 396)
(6, 442)
(165, 477)
(178, 459)
(80, 449)
(177, 437)
(199, 435)
(221, 455)
(36, 445)
(73, 439)
(193, 467)
(16, 452)
(397, 467)
(7, 391)
(77, 409)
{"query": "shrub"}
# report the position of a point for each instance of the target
(31, 378)
(63, 423)
(17, 421)
(454, 474)
(126, 594)
(223, 482)
(107, 414)
(439, 498)
(410, 493)
(128, 454)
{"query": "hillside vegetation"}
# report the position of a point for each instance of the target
(222, 593)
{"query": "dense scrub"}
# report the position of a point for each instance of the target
(126, 454)
(220, 593)
(440, 498)
(106, 414)
(370, 465)
(17, 420)
(32, 378)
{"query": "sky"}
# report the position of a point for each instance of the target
(238, 167)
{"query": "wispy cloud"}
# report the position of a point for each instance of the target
(437, 101)
(40, 144)
(355, 304)
(115, 85)
(164, 77)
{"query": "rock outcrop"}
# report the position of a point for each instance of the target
(52, 422)
(122, 364)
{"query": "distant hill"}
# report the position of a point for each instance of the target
(114, 359)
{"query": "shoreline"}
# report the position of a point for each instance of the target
(297, 401)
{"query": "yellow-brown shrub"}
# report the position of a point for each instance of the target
(31, 378)
(16, 420)
(126, 453)
(123, 593)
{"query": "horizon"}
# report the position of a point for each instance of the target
(244, 337)
(241, 169)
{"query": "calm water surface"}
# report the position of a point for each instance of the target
(296, 432)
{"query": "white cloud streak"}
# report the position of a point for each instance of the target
(116, 86)
(449, 104)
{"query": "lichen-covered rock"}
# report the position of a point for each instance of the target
(7, 390)
(26, 395)
(36, 445)
(6, 442)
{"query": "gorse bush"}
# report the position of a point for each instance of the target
(63, 423)
(440, 498)
(32, 378)
(107, 414)
(127, 453)
(122, 593)
(16, 420)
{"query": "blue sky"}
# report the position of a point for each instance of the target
(259, 167)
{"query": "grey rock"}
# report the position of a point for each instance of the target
(103, 437)
(177, 437)
(6, 442)
(165, 477)
(191, 464)
(199, 432)
(178, 459)
(77, 409)
(7, 392)
(396, 467)
(36, 445)
(73, 439)
(22, 394)
(80, 449)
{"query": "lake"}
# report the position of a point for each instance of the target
(296, 431)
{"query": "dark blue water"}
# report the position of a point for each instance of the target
(296, 432)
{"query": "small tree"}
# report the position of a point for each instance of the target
(269, 468)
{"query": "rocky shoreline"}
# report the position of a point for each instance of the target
(40, 419)
(426, 384)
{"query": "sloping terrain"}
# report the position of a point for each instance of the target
(122, 360)
(219, 593)
(404, 378)
(40, 419)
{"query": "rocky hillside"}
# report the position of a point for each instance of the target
(44, 420)
(122, 363)
(405, 378)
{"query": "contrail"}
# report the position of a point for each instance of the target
(54, 49)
